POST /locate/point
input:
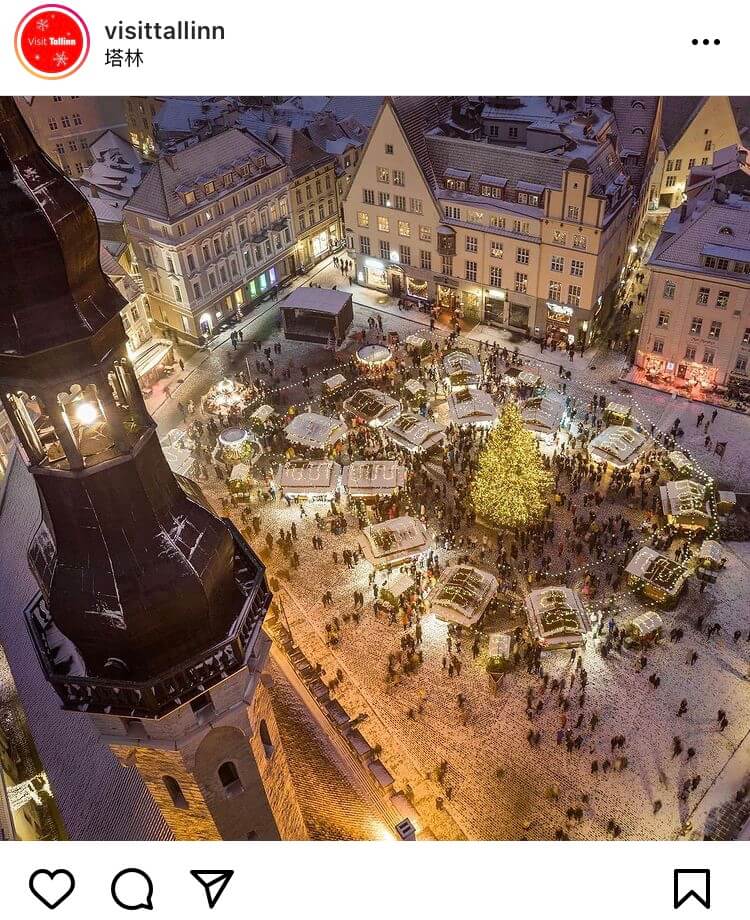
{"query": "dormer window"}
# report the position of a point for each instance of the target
(209, 188)
(262, 162)
(228, 179)
(189, 198)
(637, 104)
(456, 180)
(726, 231)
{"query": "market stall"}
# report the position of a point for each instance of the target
(685, 506)
(415, 392)
(543, 415)
(395, 542)
(462, 594)
(225, 396)
(461, 369)
(680, 464)
(414, 433)
(618, 414)
(472, 407)
(711, 555)
(372, 407)
(313, 314)
(240, 482)
(645, 629)
(417, 345)
(331, 384)
(618, 446)
(373, 478)
(237, 445)
(557, 617)
(656, 576)
(308, 478)
(314, 431)
(530, 380)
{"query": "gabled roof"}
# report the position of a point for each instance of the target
(299, 152)
(417, 115)
(678, 112)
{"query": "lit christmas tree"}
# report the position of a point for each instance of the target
(511, 486)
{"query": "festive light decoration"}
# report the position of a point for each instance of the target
(511, 485)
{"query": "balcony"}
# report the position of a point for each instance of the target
(155, 698)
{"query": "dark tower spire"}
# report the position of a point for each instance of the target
(152, 610)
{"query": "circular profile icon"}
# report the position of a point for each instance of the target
(52, 41)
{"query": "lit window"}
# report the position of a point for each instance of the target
(403, 228)
(384, 175)
(383, 224)
(363, 219)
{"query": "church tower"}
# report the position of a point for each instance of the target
(151, 611)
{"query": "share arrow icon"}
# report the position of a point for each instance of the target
(214, 882)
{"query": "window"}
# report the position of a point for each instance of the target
(522, 226)
(555, 291)
(557, 264)
(579, 242)
(576, 268)
(185, 323)
(363, 219)
(425, 259)
(175, 792)
(691, 162)
(471, 271)
(403, 228)
(52, 122)
(415, 204)
(447, 265)
(715, 331)
(77, 120)
(663, 319)
(384, 199)
(385, 250)
(704, 161)
(708, 146)
(670, 165)
(404, 255)
(521, 283)
(472, 244)
(746, 336)
(741, 363)
(671, 180)
(658, 346)
(696, 325)
(574, 295)
(399, 203)
(170, 265)
(726, 231)
(65, 121)
(364, 245)
(368, 196)
(384, 175)
(177, 293)
(522, 256)
(573, 212)
(265, 738)
(722, 300)
(708, 356)
(384, 224)
(703, 295)
(678, 165)
(513, 131)
(560, 236)
(196, 290)
(452, 212)
(425, 234)
(496, 276)
(398, 177)
(669, 288)
(690, 353)
(230, 779)
(497, 222)
(389, 149)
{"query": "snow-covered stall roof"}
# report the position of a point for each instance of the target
(529, 379)
(543, 414)
(658, 570)
(263, 413)
(374, 355)
(375, 407)
(396, 541)
(313, 430)
(414, 386)
(308, 477)
(462, 594)
(711, 553)
(415, 341)
(333, 383)
(461, 368)
(472, 407)
(645, 624)
(682, 464)
(684, 503)
(364, 478)
(556, 617)
(618, 445)
(415, 433)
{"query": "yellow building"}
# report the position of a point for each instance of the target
(528, 236)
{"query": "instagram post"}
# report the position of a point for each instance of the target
(374, 460)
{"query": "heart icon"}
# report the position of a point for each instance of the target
(52, 888)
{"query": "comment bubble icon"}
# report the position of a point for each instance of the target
(132, 889)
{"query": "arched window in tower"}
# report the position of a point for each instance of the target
(265, 737)
(175, 792)
(230, 779)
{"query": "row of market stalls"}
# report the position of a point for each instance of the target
(321, 479)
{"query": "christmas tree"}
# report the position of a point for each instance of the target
(511, 486)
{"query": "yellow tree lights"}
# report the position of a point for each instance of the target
(511, 486)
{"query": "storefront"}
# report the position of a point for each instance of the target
(559, 326)
(374, 274)
(496, 308)
(518, 316)
(320, 244)
(448, 295)
(693, 374)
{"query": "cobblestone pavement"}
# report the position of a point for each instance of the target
(500, 788)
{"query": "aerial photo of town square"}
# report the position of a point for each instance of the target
(374, 468)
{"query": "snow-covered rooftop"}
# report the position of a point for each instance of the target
(618, 445)
(313, 430)
(308, 477)
(462, 594)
